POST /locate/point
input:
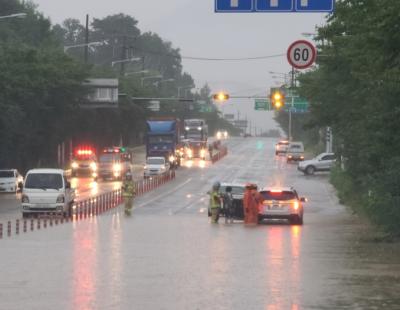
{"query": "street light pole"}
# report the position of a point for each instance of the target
(292, 85)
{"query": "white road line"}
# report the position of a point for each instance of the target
(163, 195)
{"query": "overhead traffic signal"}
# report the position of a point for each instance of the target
(278, 99)
(221, 96)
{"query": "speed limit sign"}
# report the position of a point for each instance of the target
(301, 54)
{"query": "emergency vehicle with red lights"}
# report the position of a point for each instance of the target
(114, 163)
(84, 162)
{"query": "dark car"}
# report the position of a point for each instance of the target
(237, 193)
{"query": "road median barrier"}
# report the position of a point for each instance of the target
(82, 209)
(222, 152)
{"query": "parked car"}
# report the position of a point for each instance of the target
(295, 152)
(10, 180)
(47, 191)
(323, 162)
(281, 203)
(155, 166)
(281, 147)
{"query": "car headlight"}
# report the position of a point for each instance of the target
(117, 167)
(60, 199)
(199, 128)
(187, 128)
(172, 158)
(93, 166)
(145, 167)
(202, 152)
(162, 168)
(25, 199)
(74, 165)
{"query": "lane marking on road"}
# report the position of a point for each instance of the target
(164, 194)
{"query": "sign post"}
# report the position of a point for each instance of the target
(301, 54)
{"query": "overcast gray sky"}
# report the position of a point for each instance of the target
(198, 31)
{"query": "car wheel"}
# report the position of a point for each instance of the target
(310, 170)
(296, 220)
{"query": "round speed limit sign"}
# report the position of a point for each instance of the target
(301, 54)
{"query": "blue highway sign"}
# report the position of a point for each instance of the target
(274, 5)
(315, 5)
(234, 6)
(248, 6)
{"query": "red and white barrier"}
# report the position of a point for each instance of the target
(87, 208)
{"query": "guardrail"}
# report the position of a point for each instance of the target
(82, 209)
(223, 151)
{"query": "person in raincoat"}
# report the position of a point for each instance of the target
(228, 205)
(251, 200)
(215, 202)
(128, 192)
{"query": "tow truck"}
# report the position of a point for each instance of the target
(114, 163)
(84, 162)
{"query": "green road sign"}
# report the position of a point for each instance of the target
(300, 105)
(262, 105)
(205, 108)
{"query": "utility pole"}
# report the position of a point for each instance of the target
(87, 39)
(292, 86)
(123, 56)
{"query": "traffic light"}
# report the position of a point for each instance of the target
(221, 96)
(278, 99)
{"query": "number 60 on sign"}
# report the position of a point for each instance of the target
(301, 54)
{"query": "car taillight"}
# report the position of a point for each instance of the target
(25, 199)
(296, 205)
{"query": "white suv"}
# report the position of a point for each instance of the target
(155, 166)
(281, 147)
(47, 191)
(323, 162)
(10, 180)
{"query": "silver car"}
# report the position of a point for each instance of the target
(323, 162)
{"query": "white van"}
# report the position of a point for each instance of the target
(295, 152)
(47, 191)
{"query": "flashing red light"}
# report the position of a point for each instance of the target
(84, 152)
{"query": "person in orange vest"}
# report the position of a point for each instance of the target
(251, 200)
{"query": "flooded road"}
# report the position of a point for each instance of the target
(168, 256)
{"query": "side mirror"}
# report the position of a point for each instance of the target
(303, 199)
(68, 185)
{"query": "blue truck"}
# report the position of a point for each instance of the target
(163, 139)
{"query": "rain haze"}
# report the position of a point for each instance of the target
(199, 32)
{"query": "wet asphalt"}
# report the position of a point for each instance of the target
(167, 255)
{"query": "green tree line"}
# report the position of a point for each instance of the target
(355, 89)
(41, 84)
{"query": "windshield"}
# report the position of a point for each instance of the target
(6, 174)
(280, 196)
(44, 181)
(155, 161)
(161, 139)
(106, 158)
(236, 190)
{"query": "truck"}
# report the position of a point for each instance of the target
(196, 130)
(114, 163)
(84, 161)
(163, 139)
(196, 134)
